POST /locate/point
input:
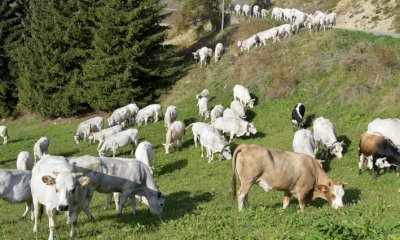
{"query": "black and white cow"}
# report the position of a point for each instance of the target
(298, 120)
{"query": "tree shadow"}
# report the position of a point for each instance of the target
(346, 141)
(171, 167)
(4, 162)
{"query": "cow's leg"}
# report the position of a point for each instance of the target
(73, 216)
(100, 143)
(86, 207)
(201, 147)
(242, 194)
(36, 211)
(301, 198)
(27, 208)
(145, 119)
(117, 197)
(108, 201)
(286, 199)
(195, 139)
(209, 155)
(133, 204)
(124, 197)
(51, 213)
(360, 163)
(156, 117)
(231, 135)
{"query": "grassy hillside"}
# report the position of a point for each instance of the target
(348, 77)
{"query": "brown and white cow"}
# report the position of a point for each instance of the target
(374, 145)
(296, 174)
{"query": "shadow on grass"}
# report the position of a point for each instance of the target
(250, 115)
(351, 195)
(347, 142)
(172, 167)
(69, 153)
(309, 120)
(188, 121)
(257, 135)
(4, 162)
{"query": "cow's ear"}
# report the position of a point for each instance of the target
(323, 188)
(84, 181)
(48, 180)
(343, 183)
(342, 143)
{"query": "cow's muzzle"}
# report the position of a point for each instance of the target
(63, 208)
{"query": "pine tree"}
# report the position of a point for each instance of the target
(11, 14)
(200, 12)
(128, 62)
(51, 57)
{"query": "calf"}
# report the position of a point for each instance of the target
(56, 185)
(325, 138)
(376, 146)
(40, 148)
(15, 187)
(4, 134)
(214, 144)
(274, 170)
(298, 120)
(174, 135)
(103, 134)
(170, 116)
(24, 161)
(153, 110)
(120, 139)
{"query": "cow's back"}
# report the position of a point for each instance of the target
(389, 127)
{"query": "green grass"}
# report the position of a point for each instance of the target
(349, 77)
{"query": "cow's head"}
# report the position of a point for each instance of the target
(225, 153)
(77, 138)
(156, 203)
(333, 193)
(195, 55)
(111, 121)
(250, 103)
(251, 129)
(65, 184)
(239, 43)
(167, 146)
(337, 149)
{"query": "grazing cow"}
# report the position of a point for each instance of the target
(238, 9)
(153, 110)
(24, 161)
(129, 177)
(205, 93)
(196, 55)
(388, 127)
(119, 117)
(376, 146)
(15, 188)
(205, 54)
(174, 135)
(40, 148)
(219, 49)
(284, 29)
(95, 124)
(120, 139)
(144, 153)
(298, 120)
(103, 134)
(330, 20)
(277, 13)
(56, 185)
(4, 134)
(203, 108)
(256, 11)
(274, 170)
(170, 116)
(325, 138)
(264, 13)
(234, 126)
(214, 144)
(238, 109)
(134, 109)
(197, 129)
(268, 34)
(249, 43)
(242, 95)
(217, 112)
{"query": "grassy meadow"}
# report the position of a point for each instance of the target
(348, 77)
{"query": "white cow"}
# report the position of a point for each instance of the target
(268, 34)
(196, 55)
(205, 93)
(214, 144)
(58, 187)
(388, 127)
(242, 95)
(202, 103)
(325, 137)
(284, 29)
(40, 148)
(205, 54)
(4, 134)
(198, 127)
(264, 13)
(153, 110)
(249, 43)
(24, 161)
(120, 139)
(217, 112)
(234, 126)
(95, 124)
(129, 177)
(144, 153)
(15, 188)
(303, 142)
(170, 116)
(246, 10)
(229, 113)
(120, 116)
(174, 135)
(256, 11)
(219, 49)
(101, 136)
(277, 13)
(330, 20)
(134, 109)
(238, 109)
(238, 9)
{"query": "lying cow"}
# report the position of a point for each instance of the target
(103, 134)
(126, 176)
(4, 134)
(95, 124)
(15, 188)
(40, 148)
(325, 138)
(234, 126)
(152, 110)
(56, 186)
(174, 135)
(376, 146)
(298, 120)
(120, 139)
(295, 173)
(214, 144)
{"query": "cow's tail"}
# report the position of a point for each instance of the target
(189, 126)
(233, 193)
